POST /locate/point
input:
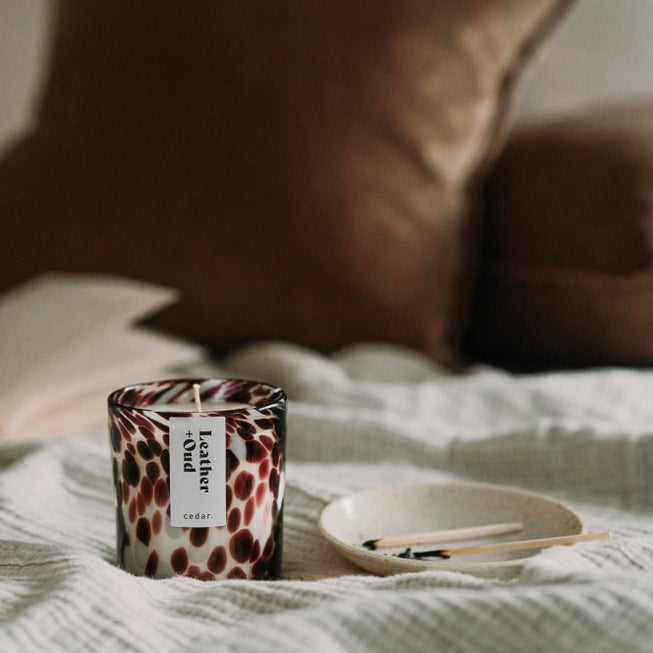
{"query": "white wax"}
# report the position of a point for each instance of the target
(190, 407)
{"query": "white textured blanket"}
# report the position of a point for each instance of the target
(367, 416)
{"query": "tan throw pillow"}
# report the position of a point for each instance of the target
(567, 277)
(299, 170)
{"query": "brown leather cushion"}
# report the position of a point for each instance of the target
(299, 170)
(568, 272)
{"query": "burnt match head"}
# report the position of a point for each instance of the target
(409, 554)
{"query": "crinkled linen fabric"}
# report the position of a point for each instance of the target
(366, 416)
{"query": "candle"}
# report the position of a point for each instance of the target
(199, 493)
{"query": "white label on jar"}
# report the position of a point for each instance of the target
(197, 471)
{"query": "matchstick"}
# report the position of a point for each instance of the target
(507, 546)
(432, 537)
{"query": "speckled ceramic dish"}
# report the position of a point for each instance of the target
(396, 510)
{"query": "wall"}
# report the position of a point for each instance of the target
(23, 41)
(603, 52)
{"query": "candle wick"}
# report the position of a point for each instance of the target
(196, 396)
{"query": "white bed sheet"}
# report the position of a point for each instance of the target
(366, 416)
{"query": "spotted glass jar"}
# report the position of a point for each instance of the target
(249, 544)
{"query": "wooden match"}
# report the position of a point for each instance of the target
(508, 546)
(432, 537)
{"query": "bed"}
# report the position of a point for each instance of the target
(364, 417)
(563, 411)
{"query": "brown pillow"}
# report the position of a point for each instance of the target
(567, 277)
(299, 170)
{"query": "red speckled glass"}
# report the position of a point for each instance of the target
(249, 545)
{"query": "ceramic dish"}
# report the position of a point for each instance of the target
(395, 510)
